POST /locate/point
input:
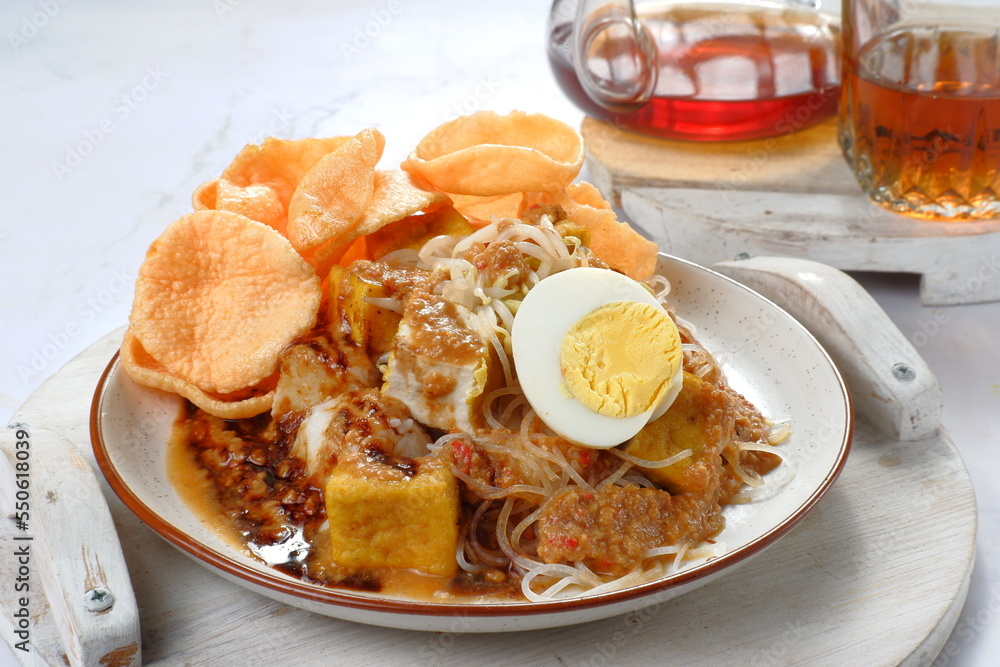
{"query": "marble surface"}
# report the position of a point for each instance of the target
(115, 111)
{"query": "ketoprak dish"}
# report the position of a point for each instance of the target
(466, 398)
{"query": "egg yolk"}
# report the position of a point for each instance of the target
(620, 359)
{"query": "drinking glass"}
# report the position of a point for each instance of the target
(919, 119)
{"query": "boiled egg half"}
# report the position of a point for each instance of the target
(596, 355)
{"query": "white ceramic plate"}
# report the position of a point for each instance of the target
(768, 357)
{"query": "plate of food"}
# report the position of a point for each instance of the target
(459, 395)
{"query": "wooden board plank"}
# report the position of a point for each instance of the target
(958, 262)
(875, 575)
(791, 196)
(69, 546)
(805, 161)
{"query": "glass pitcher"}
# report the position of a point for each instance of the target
(698, 70)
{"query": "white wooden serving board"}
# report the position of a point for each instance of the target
(875, 575)
(791, 196)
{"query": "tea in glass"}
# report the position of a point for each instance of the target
(920, 108)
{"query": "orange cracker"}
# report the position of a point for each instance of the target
(145, 370)
(218, 297)
(394, 197)
(486, 154)
(205, 195)
(615, 242)
(260, 180)
(335, 193)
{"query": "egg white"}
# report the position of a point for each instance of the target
(542, 320)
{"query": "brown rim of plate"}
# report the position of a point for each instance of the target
(274, 581)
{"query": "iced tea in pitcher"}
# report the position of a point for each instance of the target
(721, 71)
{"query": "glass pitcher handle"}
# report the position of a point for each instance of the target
(613, 54)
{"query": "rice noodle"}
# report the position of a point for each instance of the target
(400, 257)
(699, 359)
(517, 559)
(615, 476)
(472, 536)
(495, 493)
(662, 551)
(638, 480)
(464, 563)
(559, 581)
(449, 438)
(566, 576)
(681, 322)
(529, 466)
(637, 576)
(490, 398)
(515, 536)
(661, 288)
(769, 487)
(518, 401)
(643, 463)
(733, 461)
(463, 544)
(547, 455)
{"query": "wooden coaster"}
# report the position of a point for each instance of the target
(790, 196)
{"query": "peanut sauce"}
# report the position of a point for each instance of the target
(440, 333)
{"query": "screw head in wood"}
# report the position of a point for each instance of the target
(98, 599)
(903, 372)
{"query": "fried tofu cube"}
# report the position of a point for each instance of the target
(407, 523)
(334, 286)
(695, 421)
(367, 300)
(415, 230)
(441, 367)
(372, 326)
